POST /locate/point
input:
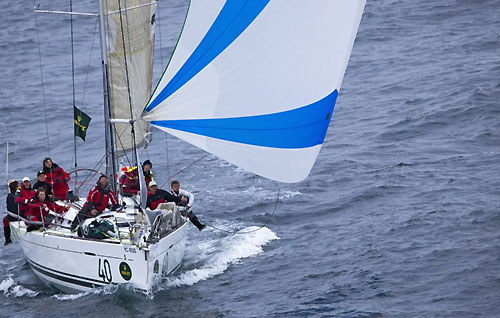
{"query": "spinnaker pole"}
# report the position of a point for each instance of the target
(111, 168)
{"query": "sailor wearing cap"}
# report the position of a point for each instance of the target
(26, 193)
(42, 182)
(157, 196)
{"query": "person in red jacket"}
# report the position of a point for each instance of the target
(26, 193)
(100, 197)
(57, 178)
(40, 208)
(129, 182)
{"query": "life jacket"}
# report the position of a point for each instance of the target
(129, 181)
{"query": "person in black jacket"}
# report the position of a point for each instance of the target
(11, 207)
(42, 182)
(157, 196)
(146, 169)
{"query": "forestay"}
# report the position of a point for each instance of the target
(138, 33)
(255, 82)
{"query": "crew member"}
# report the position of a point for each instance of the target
(157, 196)
(11, 207)
(40, 208)
(100, 197)
(187, 200)
(129, 182)
(42, 182)
(146, 170)
(57, 178)
(25, 195)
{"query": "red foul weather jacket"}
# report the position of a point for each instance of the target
(99, 198)
(36, 209)
(58, 179)
(25, 196)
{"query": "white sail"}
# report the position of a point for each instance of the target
(255, 82)
(138, 33)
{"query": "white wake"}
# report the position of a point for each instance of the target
(105, 290)
(9, 288)
(216, 255)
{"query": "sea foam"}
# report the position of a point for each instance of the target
(216, 255)
(9, 288)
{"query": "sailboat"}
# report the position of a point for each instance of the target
(253, 82)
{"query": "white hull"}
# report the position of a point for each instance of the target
(73, 264)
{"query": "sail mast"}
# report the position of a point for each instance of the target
(108, 130)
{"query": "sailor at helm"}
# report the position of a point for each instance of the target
(100, 197)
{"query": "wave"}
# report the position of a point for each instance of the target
(10, 288)
(216, 255)
(106, 290)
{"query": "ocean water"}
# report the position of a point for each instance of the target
(399, 218)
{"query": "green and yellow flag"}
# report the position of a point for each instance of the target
(82, 122)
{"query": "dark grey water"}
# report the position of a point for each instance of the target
(399, 217)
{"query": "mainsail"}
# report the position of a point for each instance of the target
(254, 82)
(137, 48)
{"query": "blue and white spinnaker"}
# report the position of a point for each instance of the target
(254, 82)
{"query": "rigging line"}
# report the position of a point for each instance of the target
(184, 169)
(121, 144)
(73, 67)
(73, 82)
(52, 183)
(41, 79)
(134, 146)
(88, 65)
(159, 31)
(128, 32)
(147, 151)
(119, 189)
(161, 68)
(166, 149)
(252, 231)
